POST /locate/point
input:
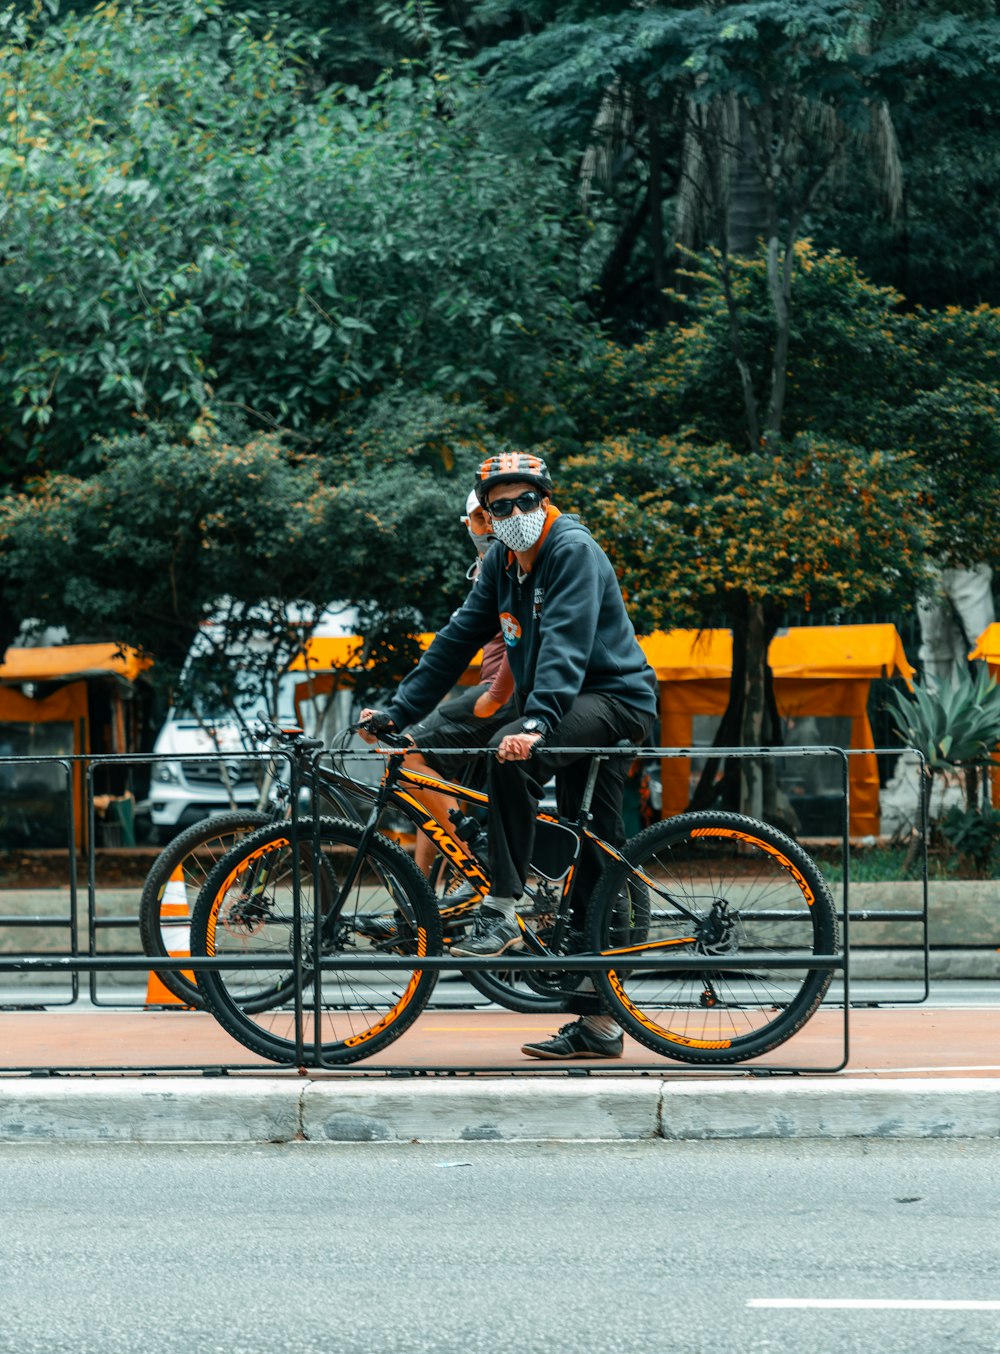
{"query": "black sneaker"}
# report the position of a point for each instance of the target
(577, 1040)
(382, 926)
(492, 934)
(376, 926)
(458, 900)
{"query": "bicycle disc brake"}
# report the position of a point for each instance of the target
(716, 935)
(244, 915)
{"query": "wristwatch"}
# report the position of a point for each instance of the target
(533, 725)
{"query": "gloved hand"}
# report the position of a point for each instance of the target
(373, 722)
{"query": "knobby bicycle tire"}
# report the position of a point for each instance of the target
(752, 890)
(195, 853)
(247, 907)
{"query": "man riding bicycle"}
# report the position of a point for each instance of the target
(581, 680)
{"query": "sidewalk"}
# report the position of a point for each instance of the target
(912, 1072)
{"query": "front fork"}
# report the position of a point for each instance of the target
(328, 923)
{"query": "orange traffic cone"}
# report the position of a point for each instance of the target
(175, 929)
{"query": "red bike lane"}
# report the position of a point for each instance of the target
(916, 1041)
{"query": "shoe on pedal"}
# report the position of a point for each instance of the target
(458, 897)
(492, 934)
(376, 926)
(576, 1040)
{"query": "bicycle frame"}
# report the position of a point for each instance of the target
(395, 789)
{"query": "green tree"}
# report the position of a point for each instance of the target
(695, 530)
(905, 398)
(186, 219)
(703, 535)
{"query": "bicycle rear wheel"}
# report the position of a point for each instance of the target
(313, 1016)
(751, 890)
(186, 863)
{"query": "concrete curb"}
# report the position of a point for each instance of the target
(168, 1109)
(260, 1110)
(547, 1108)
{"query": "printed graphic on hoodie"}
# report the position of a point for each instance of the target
(511, 628)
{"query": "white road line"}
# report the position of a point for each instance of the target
(893, 1304)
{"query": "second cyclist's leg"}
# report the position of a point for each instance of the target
(454, 724)
(439, 806)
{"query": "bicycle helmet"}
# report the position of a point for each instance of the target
(513, 467)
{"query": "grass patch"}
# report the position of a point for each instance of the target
(882, 864)
(870, 865)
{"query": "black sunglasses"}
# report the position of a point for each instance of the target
(503, 507)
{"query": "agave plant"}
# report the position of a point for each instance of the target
(953, 725)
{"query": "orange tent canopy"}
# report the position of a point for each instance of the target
(71, 664)
(988, 646)
(988, 649)
(65, 662)
(817, 652)
(818, 670)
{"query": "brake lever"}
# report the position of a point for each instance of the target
(393, 742)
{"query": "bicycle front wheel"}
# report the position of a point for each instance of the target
(717, 884)
(301, 1013)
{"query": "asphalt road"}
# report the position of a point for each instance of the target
(501, 1248)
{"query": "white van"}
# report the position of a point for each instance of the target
(190, 786)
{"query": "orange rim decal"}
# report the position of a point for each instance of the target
(392, 1016)
(651, 1025)
(248, 860)
(779, 856)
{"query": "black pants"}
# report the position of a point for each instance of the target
(516, 790)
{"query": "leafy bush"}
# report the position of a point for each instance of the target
(692, 528)
(956, 727)
(973, 834)
(141, 552)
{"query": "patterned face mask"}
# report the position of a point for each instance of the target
(521, 530)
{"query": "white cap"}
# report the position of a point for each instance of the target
(472, 503)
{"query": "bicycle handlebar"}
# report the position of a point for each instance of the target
(294, 735)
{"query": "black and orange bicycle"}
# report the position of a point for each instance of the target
(742, 905)
(182, 867)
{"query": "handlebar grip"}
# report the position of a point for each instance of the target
(387, 737)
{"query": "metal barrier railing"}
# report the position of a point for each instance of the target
(72, 962)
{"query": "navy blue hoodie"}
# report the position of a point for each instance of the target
(565, 625)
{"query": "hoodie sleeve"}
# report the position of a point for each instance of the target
(568, 629)
(451, 650)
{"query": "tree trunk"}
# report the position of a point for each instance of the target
(10, 625)
(779, 278)
(708, 789)
(754, 707)
(747, 216)
(613, 272)
(656, 212)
